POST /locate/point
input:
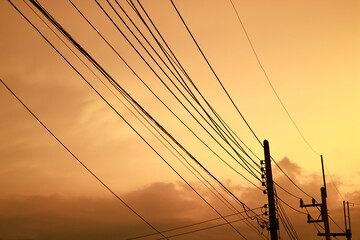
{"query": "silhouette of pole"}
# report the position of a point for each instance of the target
(323, 172)
(324, 213)
(345, 215)
(270, 192)
(348, 231)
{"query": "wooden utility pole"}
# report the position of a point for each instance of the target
(270, 192)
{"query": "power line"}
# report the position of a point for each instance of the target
(213, 71)
(286, 191)
(284, 218)
(222, 199)
(206, 228)
(333, 182)
(290, 206)
(336, 223)
(191, 225)
(232, 196)
(216, 126)
(178, 64)
(268, 79)
(292, 181)
(229, 95)
(272, 87)
(77, 159)
(166, 106)
(244, 206)
(109, 77)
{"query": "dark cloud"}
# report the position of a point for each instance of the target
(165, 205)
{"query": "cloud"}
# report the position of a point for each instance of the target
(165, 205)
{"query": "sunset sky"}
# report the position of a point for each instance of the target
(309, 49)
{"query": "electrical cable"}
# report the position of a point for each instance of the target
(146, 113)
(335, 223)
(292, 181)
(290, 206)
(333, 182)
(286, 221)
(222, 199)
(213, 71)
(286, 191)
(229, 95)
(163, 103)
(268, 79)
(77, 159)
(189, 225)
(36, 4)
(205, 228)
(218, 130)
(178, 64)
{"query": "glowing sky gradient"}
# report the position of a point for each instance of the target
(310, 51)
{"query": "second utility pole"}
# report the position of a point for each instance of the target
(270, 193)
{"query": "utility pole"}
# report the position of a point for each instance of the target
(347, 228)
(324, 212)
(274, 225)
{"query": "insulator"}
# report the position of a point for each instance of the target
(309, 217)
(265, 213)
(313, 201)
(262, 162)
(264, 191)
(262, 169)
(263, 183)
(262, 176)
(265, 205)
(301, 202)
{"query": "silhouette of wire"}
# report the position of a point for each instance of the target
(290, 206)
(284, 218)
(312, 223)
(230, 97)
(333, 182)
(190, 225)
(221, 198)
(77, 159)
(205, 169)
(213, 71)
(268, 79)
(205, 228)
(292, 181)
(231, 194)
(46, 14)
(172, 57)
(158, 75)
(166, 106)
(286, 191)
(336, 223)
(217, 130)
(286, 225)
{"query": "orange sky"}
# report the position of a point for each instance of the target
(309, 49)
